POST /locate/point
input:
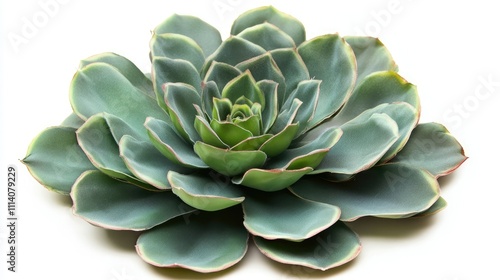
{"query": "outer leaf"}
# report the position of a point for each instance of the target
(72, 121)
(287, 23)
(99, 87)
(433, 148)
(330, 59)
(389, 191)
(267, 36)
(111, 204)
(146, 162)
(228, 162)
(55, 160)
(282, 215)
(371, 56)
(205, 35)
(332, 247)
(177, 46)
(205, 192)
(363, 143)
(125, 67)
(206, 242)
(270, 180)
(439, 205)
(292, 67)
(166, 140)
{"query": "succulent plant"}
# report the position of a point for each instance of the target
(264, 135)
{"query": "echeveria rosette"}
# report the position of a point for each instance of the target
(263, 134)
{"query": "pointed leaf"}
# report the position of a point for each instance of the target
(205, 192)
(205, 35)
(371, 56)
(180, 100)
(111, 204)
(166, 140)
(433, 148)
(206, 242)
(177, 46)
(270, 111)
(55, 160)
(330, 59)
(307, 92)
(282, 215)
(207, 134)
(332, 247)
(99, 87)
(73, 121)
(243, 85)
(286, 116)
(146, 162)
(389, 191)
(221, 74)
(270, 180)
(209, 91)
(228, 162)
(252, 143)
(439, 205)
(363, 143)
(281, 141)
(290, 25)
(292, 67)
(267, 36)
(230, 133)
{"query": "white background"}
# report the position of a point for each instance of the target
(446, 49)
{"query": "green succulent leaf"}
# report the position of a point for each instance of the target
(267, 36)
(215, 241)
(146, 162)
(127, 68)
(307, 92)
(55, 160)
(439, 205)
(364, 142)
(230, 133)
(243, 85)
(180, 100)
(205, 35)
(111, 204)
(371, 56)
(172, 146)
(252, 143)
(208, 94)
(292, 67)
(286, 23)
(167, 70)
(280, 141)
(233, 51)
(282, 215)
(388, 191)
(229, 162)
(207, 193)
(270, 111)
(207, 134)
(99, 139)
(433, 148)
(263, 67)
(270, 180)
(175, 46)
(73, 121)
(330, 59)
(221, 74)
(286, 116)
(332, 247)
(100, 87)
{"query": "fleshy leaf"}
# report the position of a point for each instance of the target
(330, 59)
(433, 148)
(207, 134)
(205, 35)
(228, 162)
(55, 160)
(270, 111)
(243, 85)
(166, 140)
(109, 203)
(270, 180)
(204, 242)
(292, 67)
(371, 56)
(180, 100)
(389, 191)
(363, 143)
(286, 116)
(177, 46)
(286, 23)
(281, 141)
(205, 191)
(307, 92)
(128, 69)
(209, 91)
(282, 215)
(100, 87)
(439, 205)
(73, 121)
(251, 143)
(332, 247)
(221, 74)
(146, 162)
(267, 36)
(230, 133)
